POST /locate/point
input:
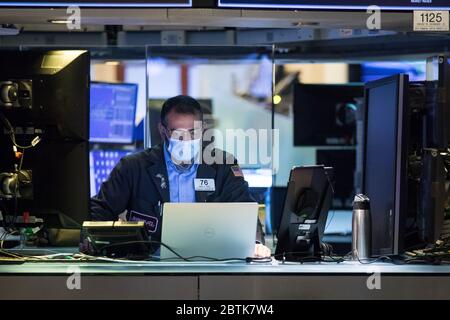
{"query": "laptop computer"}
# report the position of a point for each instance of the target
(214, 230)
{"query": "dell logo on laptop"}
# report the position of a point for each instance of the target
(209, 232)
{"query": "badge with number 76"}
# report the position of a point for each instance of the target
(204, 184)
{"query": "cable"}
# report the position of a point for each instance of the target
(9, 253)
(12, 134)
(142, 242)
(432, 257)
(334, 259)
(4, 236)
(248, 259)
(21, 160)
(327, 249)
(16, 204)
(298, 259)
(373, 260)
(188, 259)
(354, 253)
(329, 221)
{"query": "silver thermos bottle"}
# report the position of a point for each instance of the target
(361, 228)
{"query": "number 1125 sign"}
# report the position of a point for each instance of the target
(431, 21)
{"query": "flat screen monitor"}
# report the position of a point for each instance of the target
(101, 163)
(53, 103)
(113, 111)
(325, 115)
(385, 161)
(46, 92)
(305, 211)
(344, 164)
(277, 197)
(338, 4)
(98, 3)
(371, 71)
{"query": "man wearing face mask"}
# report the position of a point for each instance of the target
(142, 182)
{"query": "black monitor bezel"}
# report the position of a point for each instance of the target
(401, 167)
(284, 247)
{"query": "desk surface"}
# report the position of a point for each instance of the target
(210, 267)
(226, 280)
(344, 268)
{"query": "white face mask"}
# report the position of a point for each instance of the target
(183, 150)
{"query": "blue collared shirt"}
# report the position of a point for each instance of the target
(181, 181)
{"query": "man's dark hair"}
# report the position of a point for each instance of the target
(181, 104)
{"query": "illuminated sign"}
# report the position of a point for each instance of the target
(100, 3)
(339, 4)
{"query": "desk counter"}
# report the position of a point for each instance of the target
(231, 280)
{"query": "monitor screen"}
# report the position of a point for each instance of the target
(98, 3)
(344, 164)
(325, 115)
(101, 162)
(338, 4)
(113, 111)
(370, 71)
(384, 161)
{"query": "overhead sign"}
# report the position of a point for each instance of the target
(339, 4)
(431, 21)
(99, 3)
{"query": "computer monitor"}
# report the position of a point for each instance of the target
(343, 162)
(375, 70)
(434, 218)
(438, 117)
(113, 111)
(385, 161)
(101, 162)
(48, 98)
(277, 198)
(60, 179)
(305, 211)
(46, 92)
(325, 115)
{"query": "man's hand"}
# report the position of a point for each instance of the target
(261, 251)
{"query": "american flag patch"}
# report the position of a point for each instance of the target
(237, 171)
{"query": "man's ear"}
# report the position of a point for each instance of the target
(161, 130)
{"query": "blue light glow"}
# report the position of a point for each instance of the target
(95, 4)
